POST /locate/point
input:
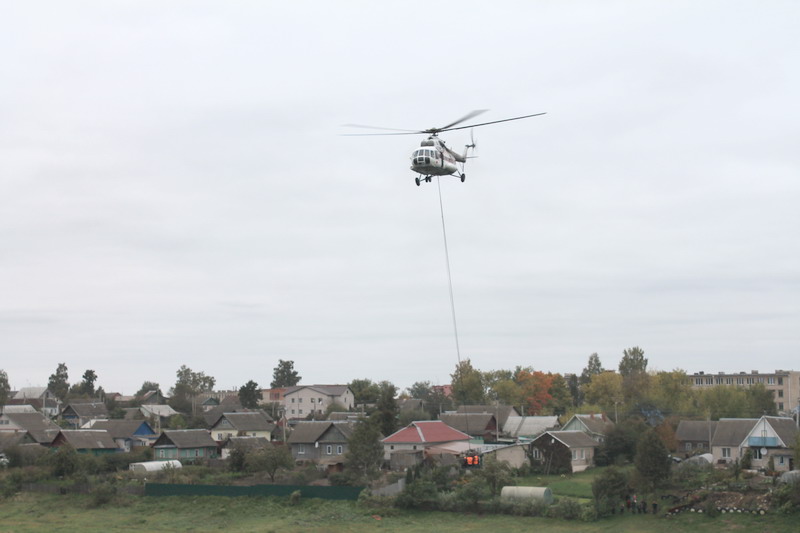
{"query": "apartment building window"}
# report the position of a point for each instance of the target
(780, 381)
(728, 381)
(312, 400)
(771, 380)
(299, 411)
(698, 381)
(293, 399)
(780, 406)
(718, 381)
(299, 400)
(709, 381)
(740, 381)
(780, 393)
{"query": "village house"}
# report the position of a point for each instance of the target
(597, 426)
(694, 436)
(482, 426)
(186, 445)
(303, 400)
(88, 441)
(40, 428)
(557, 451)
(252, 424)
(727, 444)
(245, 444)
(322, 441)
(418, 436)
(128, 434)
(79, 413)
(528, 427)
(772, 437)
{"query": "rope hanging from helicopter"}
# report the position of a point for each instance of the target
(449, 275)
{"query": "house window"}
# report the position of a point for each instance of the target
(688, 446)
(162, 453)
(583, 453)
(756, 453)
(197, 452)
(780, 460)
(536, 454)
(319, 400)
(219, 436)
(301, 449)
(726, 453)
(339, 450)
(574, 454)
(329, 449)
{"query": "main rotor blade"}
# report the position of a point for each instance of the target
(492, 122)
(462, 119)
(378, 128)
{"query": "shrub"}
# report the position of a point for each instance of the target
(566, 508)
(608, 489)
(294, 498)
(102, 494)
(418, 494)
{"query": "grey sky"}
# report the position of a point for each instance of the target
(173, 188)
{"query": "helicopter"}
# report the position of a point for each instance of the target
(434, 157)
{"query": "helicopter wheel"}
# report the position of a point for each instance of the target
(417, 181)
(463, 177)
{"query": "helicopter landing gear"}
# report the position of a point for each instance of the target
(420, 179)
(417, 181)
(463, 177)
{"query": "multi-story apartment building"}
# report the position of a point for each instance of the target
(785, 385)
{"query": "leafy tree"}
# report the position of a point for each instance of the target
(652, 461)
(364, 451)
(433, 400)
(671, 392)
(609, 488)
(250, 395)
(573, 384)
(5, 389)
(86, 386)
(59, 382)
(593, 368)
(146, 387)
(761, 401)
(467, 383)
(365, 391)
(284, 375)
(620, 443)
(535, 390)
(334, 407)
(188, 385)
(495, 474)
(604, 390)
(633, 361)
(561, 399)
(386, 410)
(407, 416)
(269, 460)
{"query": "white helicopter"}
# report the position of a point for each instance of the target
(434, 158)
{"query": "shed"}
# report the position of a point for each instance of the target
(153, 466)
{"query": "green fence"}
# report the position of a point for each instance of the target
(326, 493)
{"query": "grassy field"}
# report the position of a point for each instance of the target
(36, 512)
(573, 486)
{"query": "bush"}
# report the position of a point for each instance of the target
(421, 493)
(608, 489)
(294, 498)
(102, 494)
(566, 508)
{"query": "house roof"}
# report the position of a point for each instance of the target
(310, 432)
(228, 404)
(732, 431)
(328, 390)
(246, 443)
(88, 410)
(786, 429)
(88, 439)
(695, 430)
(529, 426)
(164, 411)
(122, 429)
(426, 431)
(571, 439)
(11, 438)
(40, 427)
(501, 412)
(26, 393)
(249, 421)
(470, 423)
(595, 423)
(186, 438)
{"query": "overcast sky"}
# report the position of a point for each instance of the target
(174, 188)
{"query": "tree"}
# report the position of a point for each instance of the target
(495, 474)
(593, 368)
(146, 387)
(561, 399)
(386, 409)
(250, 395)
(284, 375)
(86, 387)
(652, 461)
(269, 460)
(364, 450)
(365, 391)
(433, 400)
(609, 488)
(604, 390)
(5, 389)
(620, 443)
(633, 361)
(467, 383)
(535, 390)
(59, 382)
(671, 392)
(188, 385)
(575, 390)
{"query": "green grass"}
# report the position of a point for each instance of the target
(572, 486)
(37, 512)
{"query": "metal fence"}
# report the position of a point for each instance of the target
(326, 493)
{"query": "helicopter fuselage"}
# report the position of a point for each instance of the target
(434, 158)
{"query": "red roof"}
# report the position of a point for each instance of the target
(427, 432)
